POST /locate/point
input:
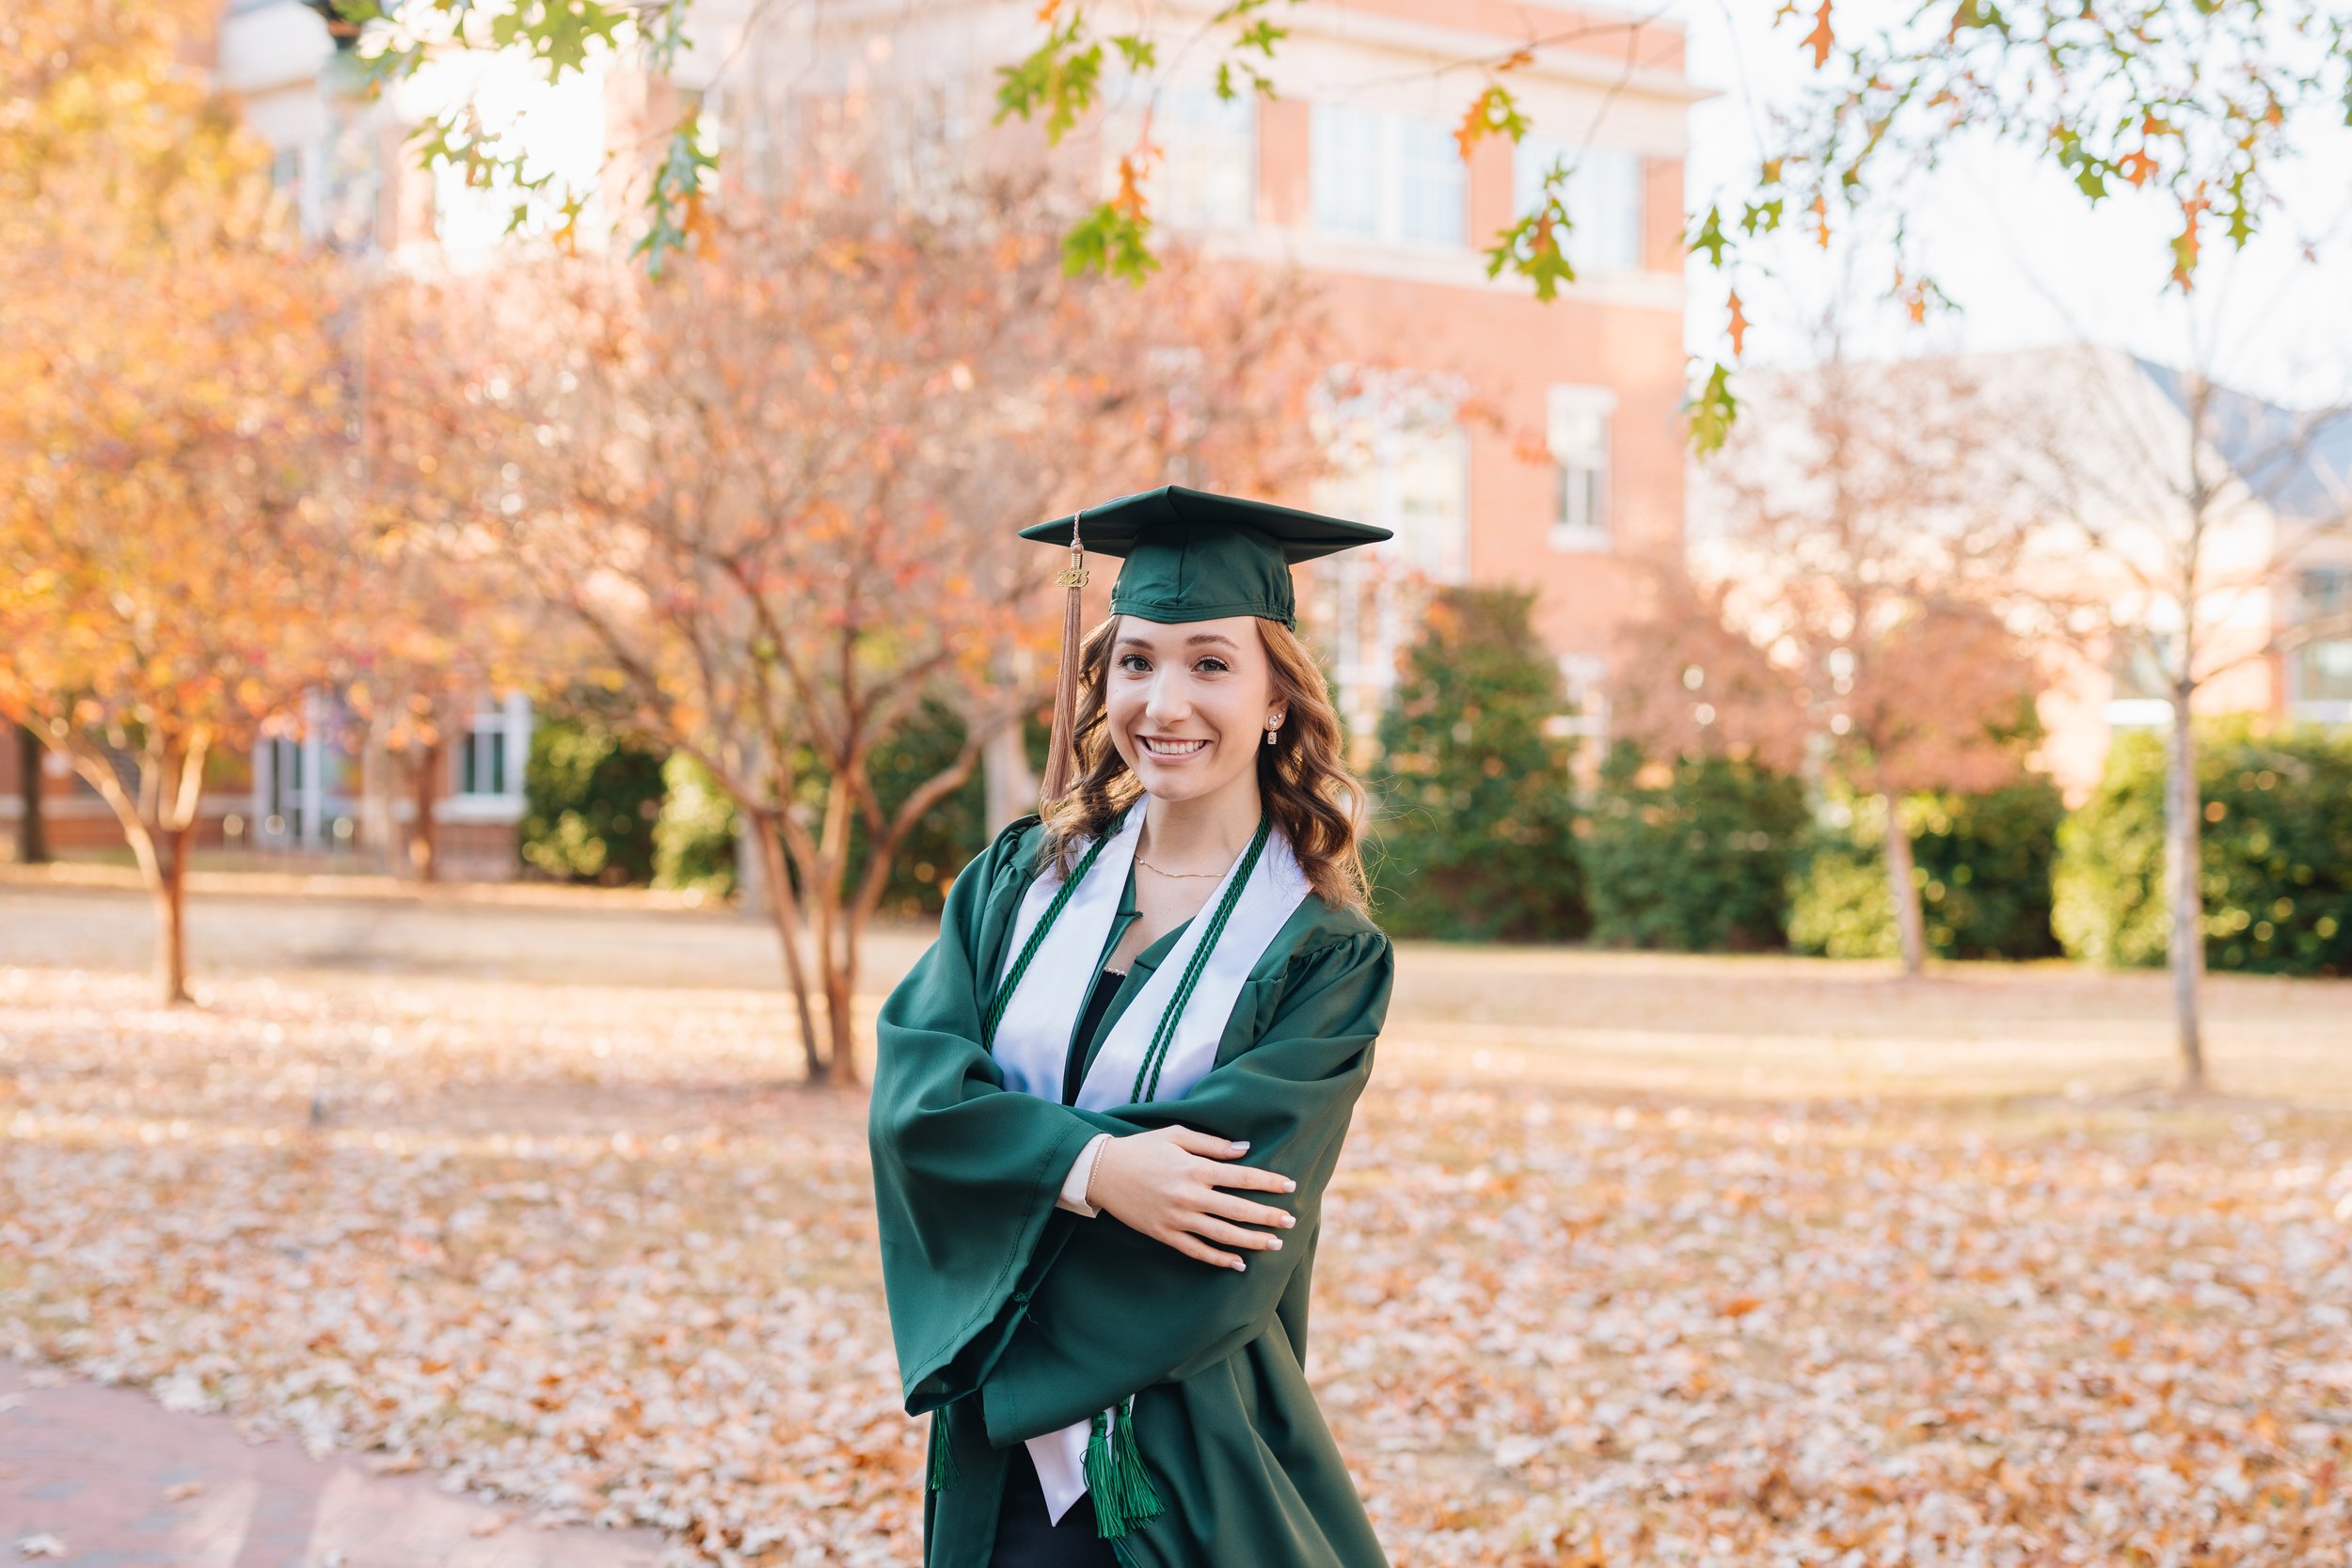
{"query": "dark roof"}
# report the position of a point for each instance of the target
(2297, 461)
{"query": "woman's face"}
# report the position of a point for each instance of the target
(1188, 704)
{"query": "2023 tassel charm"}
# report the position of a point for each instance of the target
(1059, 750)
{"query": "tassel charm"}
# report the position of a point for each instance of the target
(1124, 1497)
(1060, 758)
(945, 1472)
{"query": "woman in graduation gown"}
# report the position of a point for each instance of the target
(1108, 1099)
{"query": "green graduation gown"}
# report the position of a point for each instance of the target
(1013, 1318)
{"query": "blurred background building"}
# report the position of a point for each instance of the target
(1508, 441)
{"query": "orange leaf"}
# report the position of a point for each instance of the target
(1739, 326)
(1822, 38)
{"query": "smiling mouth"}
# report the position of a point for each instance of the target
(1163, 747)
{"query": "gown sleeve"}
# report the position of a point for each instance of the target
(1117, 1311)
(965, 1170)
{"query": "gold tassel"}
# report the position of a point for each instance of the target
(1060, 758)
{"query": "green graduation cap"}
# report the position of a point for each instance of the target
(1189, 556)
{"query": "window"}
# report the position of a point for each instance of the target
(1577, 433)
(1209, 174)
(1386, 177)
(2323, 667)
(1584, 682)
(931, 159)
(489, 755)
(1401, 460)
(2140, 665)
(1603, 199)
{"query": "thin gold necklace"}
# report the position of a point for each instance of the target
(1189, 875)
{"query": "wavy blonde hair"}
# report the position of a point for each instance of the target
(1303, 778)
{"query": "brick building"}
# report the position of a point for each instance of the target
(1529, 444)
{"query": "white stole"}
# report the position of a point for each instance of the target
(1033, 1038)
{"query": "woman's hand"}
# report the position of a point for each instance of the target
(1164, 1184)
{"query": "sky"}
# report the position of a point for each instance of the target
(2022, 253)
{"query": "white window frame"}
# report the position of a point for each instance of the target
(1380, 426)
(2312, 602)
(1603, 197)
(1565, 407)
(507, 721)
(1402, 149)
(1200, 137)
(1583, 679)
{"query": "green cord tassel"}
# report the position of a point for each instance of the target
(1123, 1491)
(945, 1472)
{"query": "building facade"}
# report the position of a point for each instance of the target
(2148, 514)
(1505, 440)
(1508, 441)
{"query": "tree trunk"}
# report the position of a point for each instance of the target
(1011, 785)
(1903, 889)
(377, 825)
(841, 1069)
(784, 907)
(424, 831)
(171, 885)
(2183, 835)
(32, 835)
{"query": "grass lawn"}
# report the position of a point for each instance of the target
(1633, 1260)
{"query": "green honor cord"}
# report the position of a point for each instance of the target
(1147, 1071)
(1155, 1055)
(1037, 940)
(1124, 1497)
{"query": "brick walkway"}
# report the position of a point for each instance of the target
(120, 1482)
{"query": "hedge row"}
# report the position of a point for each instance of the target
(1478, 836)
(2275, 861)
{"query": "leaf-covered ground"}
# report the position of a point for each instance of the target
(587, 1248)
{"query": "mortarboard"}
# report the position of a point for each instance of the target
(1188, 556)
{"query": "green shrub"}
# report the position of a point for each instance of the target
(948, 835)
(590, 799)
(1695, 857)
(1982, 862)
(1475, 836)
(694, 838)
(2276, 861)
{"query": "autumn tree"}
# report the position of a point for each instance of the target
(777, 495)
(1850, 562)
(446, 618)
(2174, 517)
(170, 426)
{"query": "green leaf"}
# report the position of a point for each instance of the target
(1530, 248)
(1141, 52)
(1111, 241)
(1058, 76)
(1262, 36)
(1711, 237)
(1712, 411)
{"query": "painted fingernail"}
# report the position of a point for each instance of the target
(1239, 1148)
(1239, 1266)
(1288, 1185)
(1287, 1221)
(1274, 1243)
